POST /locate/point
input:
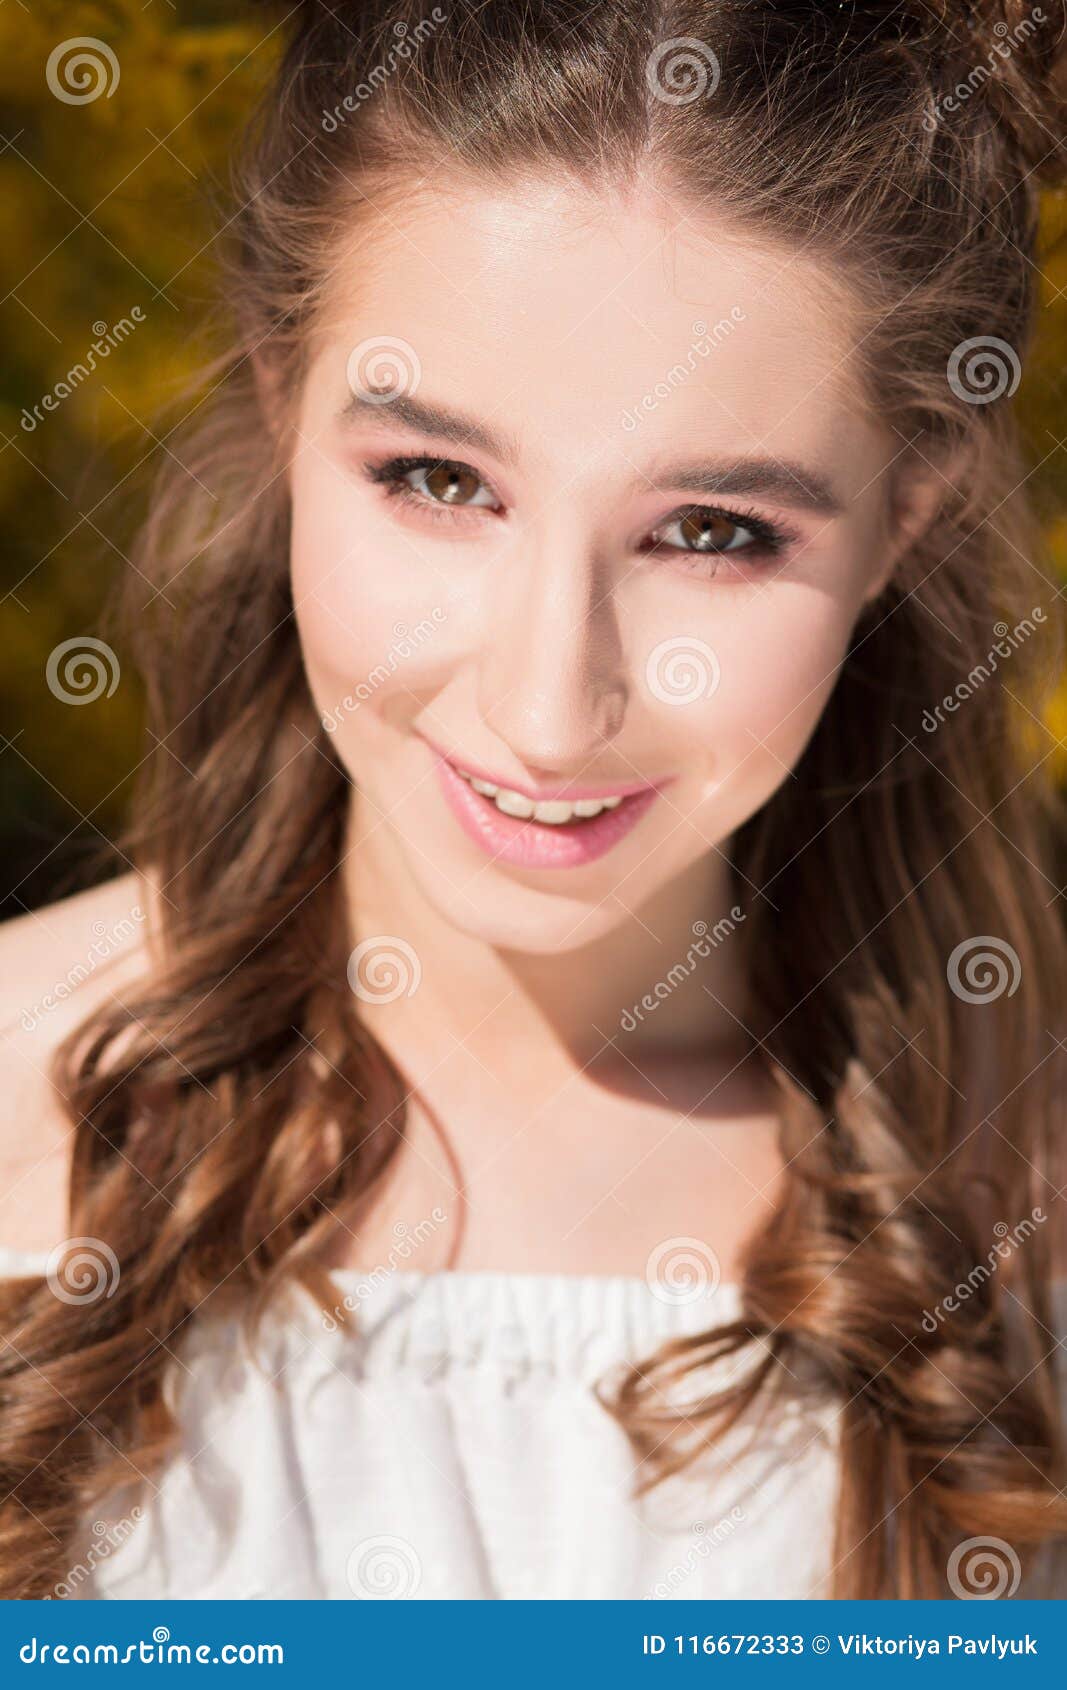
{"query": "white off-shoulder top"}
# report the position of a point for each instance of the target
(449, 1445)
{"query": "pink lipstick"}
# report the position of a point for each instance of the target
(529, 843)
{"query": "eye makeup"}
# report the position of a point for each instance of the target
(451, 480)
(708, 533)
(705, 529)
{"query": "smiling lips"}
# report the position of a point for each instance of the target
(528, 832)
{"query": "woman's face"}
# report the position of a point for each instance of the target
(585, 507)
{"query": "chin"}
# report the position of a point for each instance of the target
(514, 915)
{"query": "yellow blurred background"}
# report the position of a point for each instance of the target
(107, 235)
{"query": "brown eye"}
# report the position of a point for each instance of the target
(704, 530)
(447, 484)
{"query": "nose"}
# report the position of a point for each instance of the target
(551, 675)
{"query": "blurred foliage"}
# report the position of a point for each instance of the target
(105, 207)
(102, 209)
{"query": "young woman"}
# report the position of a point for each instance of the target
(572, 1103)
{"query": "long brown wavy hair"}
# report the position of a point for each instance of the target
(235, 1104)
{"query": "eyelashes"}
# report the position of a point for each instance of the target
(708, 526)
(452, 480)
(707, 534)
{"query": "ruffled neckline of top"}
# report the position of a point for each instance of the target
(571, 1322)
(514, 1330)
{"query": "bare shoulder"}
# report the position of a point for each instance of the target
(57, 965)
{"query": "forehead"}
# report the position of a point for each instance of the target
(631, 324)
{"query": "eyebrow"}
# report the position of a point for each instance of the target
(785, 481)
(424, 418)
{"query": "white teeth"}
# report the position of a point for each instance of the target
(554, 811)
(514, 804)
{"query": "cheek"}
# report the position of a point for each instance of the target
(777, 653)
(370, 614)
(780, 671)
